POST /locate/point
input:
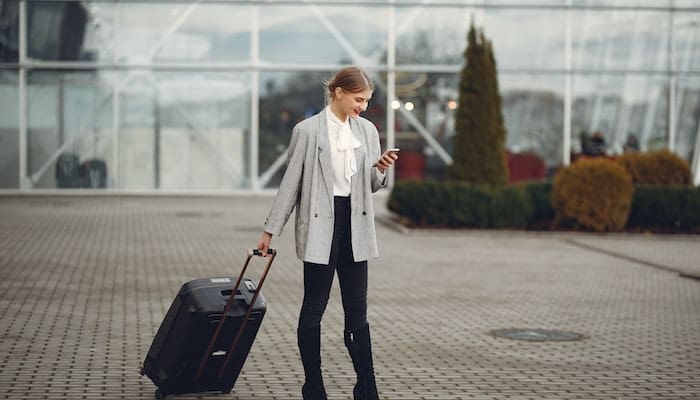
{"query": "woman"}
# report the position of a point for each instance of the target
(333, 167)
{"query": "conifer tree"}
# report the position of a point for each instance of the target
(479, 142)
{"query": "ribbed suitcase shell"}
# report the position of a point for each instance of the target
(182, 339)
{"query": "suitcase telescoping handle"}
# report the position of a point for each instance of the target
(229, 303)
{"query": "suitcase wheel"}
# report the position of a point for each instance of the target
(160, 395)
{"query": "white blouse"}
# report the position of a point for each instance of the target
(342, 144)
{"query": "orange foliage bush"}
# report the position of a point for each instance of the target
(656, 168)
(594, 194)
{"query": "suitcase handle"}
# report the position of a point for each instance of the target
(229, 303)
(257, 252)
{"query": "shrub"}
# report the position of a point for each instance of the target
(511, 206)
(592, 194)
(469, 205)
(479, 143)
(656, 168)
(666, 207)
(408, 199)
(540, 198)
(431, 203)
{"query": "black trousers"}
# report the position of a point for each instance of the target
(352, 277)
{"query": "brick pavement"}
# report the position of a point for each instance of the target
(85, 282)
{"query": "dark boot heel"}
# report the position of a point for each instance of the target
(359, 346)
(309, 341)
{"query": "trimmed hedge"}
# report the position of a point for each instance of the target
(460, 204)
(542, 212)
(665, 207)
(511, 207)
(527, 206)
(430, 203)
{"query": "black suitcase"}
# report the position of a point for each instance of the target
(68, 171)
(206, 335)
(94, 174)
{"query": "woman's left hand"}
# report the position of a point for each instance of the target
(386, 161)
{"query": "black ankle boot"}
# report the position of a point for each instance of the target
(360, 348)
(309, 341)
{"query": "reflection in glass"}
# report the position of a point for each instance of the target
(69, 128)
(688, 117)
(533, 111)
(184, 130)
(191, 129)
(68, 31)
(286, 98)
(438, 35)
(9, 129)
(686, 31)
(322, 34)
(620, 108)
(9, 31)
(425, 110)
(183, 32)
(620, 39)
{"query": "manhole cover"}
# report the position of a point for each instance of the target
(537, 335)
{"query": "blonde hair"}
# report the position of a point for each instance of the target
(350, 79)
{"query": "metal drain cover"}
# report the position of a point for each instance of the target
(537, 335)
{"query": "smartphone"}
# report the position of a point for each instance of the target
(391, 150)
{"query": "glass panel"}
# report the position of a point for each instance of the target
(9, 130)
(184, 130)
(503, 2)
(626, 3)
(183, 32)
(620, 39)
(619, 111)
(69, 117)
(67, 31)
(533, 110)
(685, 3)
(438, 35)
(424, 110)
(9, 30)
(287, 98)
(322, 34)
(686, 30)
(688, 117)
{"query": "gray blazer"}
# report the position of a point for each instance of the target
(307, 185)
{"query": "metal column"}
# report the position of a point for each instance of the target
(568, 57)
(391, 85)
(671, 84)
(254, 97)
(24, 183)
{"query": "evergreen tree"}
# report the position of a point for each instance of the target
(479, 143)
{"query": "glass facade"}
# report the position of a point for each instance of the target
(189, 96)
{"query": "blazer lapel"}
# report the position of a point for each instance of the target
(359, 151)
(324, 153)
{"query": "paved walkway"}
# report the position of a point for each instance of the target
(85, 282)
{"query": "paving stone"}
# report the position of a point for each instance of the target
(85, 282)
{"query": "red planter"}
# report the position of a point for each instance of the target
(410, 165)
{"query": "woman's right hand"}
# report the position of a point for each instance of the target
(264, 243)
